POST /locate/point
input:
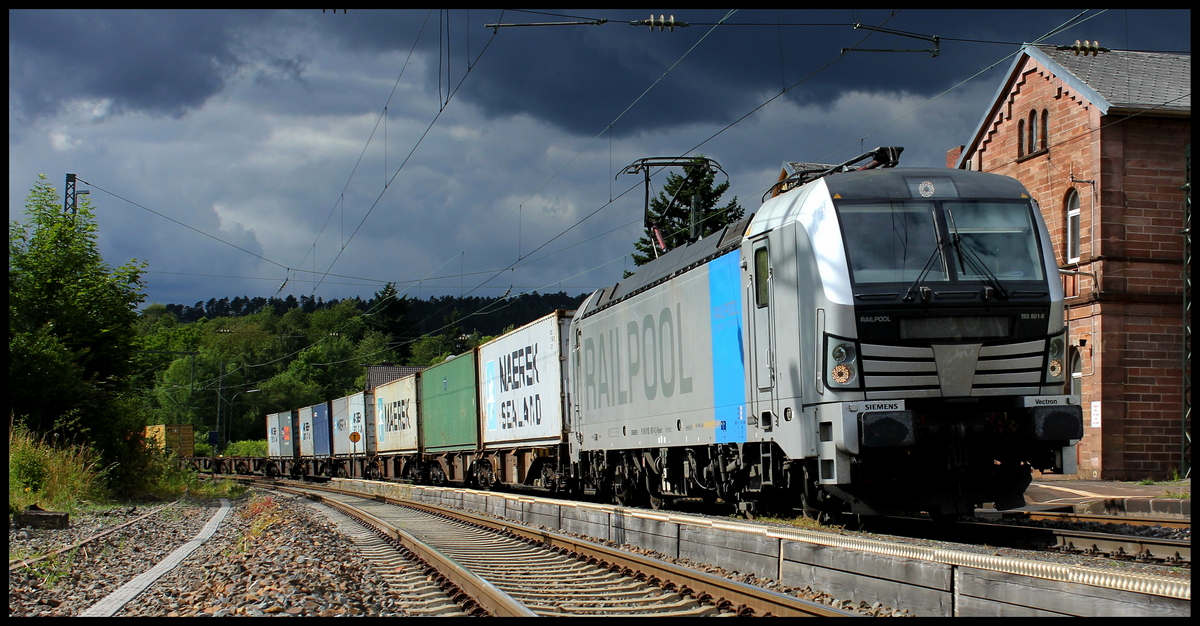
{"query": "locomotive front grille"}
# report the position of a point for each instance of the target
(913, 371)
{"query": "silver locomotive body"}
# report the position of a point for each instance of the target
(870, 341)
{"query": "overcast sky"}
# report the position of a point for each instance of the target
(235, 150)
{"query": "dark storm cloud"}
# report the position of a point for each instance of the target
(582, 77)
(163, 62)
(266, 130)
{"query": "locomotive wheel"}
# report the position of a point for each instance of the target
(655, 498)
(623, 492)
(624, 482)
(810, 511)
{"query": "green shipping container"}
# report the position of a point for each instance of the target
(449, 406)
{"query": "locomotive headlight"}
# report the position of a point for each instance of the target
(1054, 362)
(841, 362)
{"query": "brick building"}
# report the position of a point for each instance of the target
(1100, 141)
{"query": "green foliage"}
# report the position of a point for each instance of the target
(71, 330)
(299, 354)
(671, 209)
(389, 316)
(172, 481)
(55, 477)
(256, 448)
(433, 349)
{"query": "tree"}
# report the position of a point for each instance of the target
(389, 315)
(71, 325)
(671, 210)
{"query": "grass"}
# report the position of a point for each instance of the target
(51, 475)
(1174, 480)
(262, 512)
(66, 477)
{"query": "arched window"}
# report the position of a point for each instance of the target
(1045, 129)
(1033, 132)
(1073, 226)
(1075, 385)
(1020, 138)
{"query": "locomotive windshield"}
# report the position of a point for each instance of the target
(898, 241)
(892, 241)
(996, 237)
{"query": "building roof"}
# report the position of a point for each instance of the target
(380, 374)
(1116, 82)
(1141, 81)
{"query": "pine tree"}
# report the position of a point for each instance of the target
(672, 208)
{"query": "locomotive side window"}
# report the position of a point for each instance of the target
(891, 242)
(762, 270)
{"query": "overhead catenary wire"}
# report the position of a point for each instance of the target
(525, 256)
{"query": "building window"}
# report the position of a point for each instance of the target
(1075, 387)
(1020, 138)
(1033, 132)
(1045, 129)
(1073, 226)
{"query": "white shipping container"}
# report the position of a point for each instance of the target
(306, 431)
(341, 426)
(523, 384)
(353, 414)
(396, 415)
(273, 435)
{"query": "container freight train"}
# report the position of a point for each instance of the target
(872, 340)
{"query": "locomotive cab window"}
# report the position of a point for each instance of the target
(892, 242)
(994, 237)
(762, 271)
(940, 240)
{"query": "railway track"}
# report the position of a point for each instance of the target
(1067, 539)
(1089, 518)
(402, 570)
(510, 570)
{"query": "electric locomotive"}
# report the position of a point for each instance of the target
(873, 340)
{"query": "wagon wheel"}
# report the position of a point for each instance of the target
(484, 478)
(550, 478)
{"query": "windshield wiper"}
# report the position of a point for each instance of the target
(925, 291)
(965, 253)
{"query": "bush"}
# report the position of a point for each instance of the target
(257, 449)
(54, 477)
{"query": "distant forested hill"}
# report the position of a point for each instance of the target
(487, 316)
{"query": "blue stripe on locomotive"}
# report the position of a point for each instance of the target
(728, 355)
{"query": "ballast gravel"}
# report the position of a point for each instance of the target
(273, 556)
(266, 559)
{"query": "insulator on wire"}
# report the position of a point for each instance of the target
(1086, 47)
(662, 22)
